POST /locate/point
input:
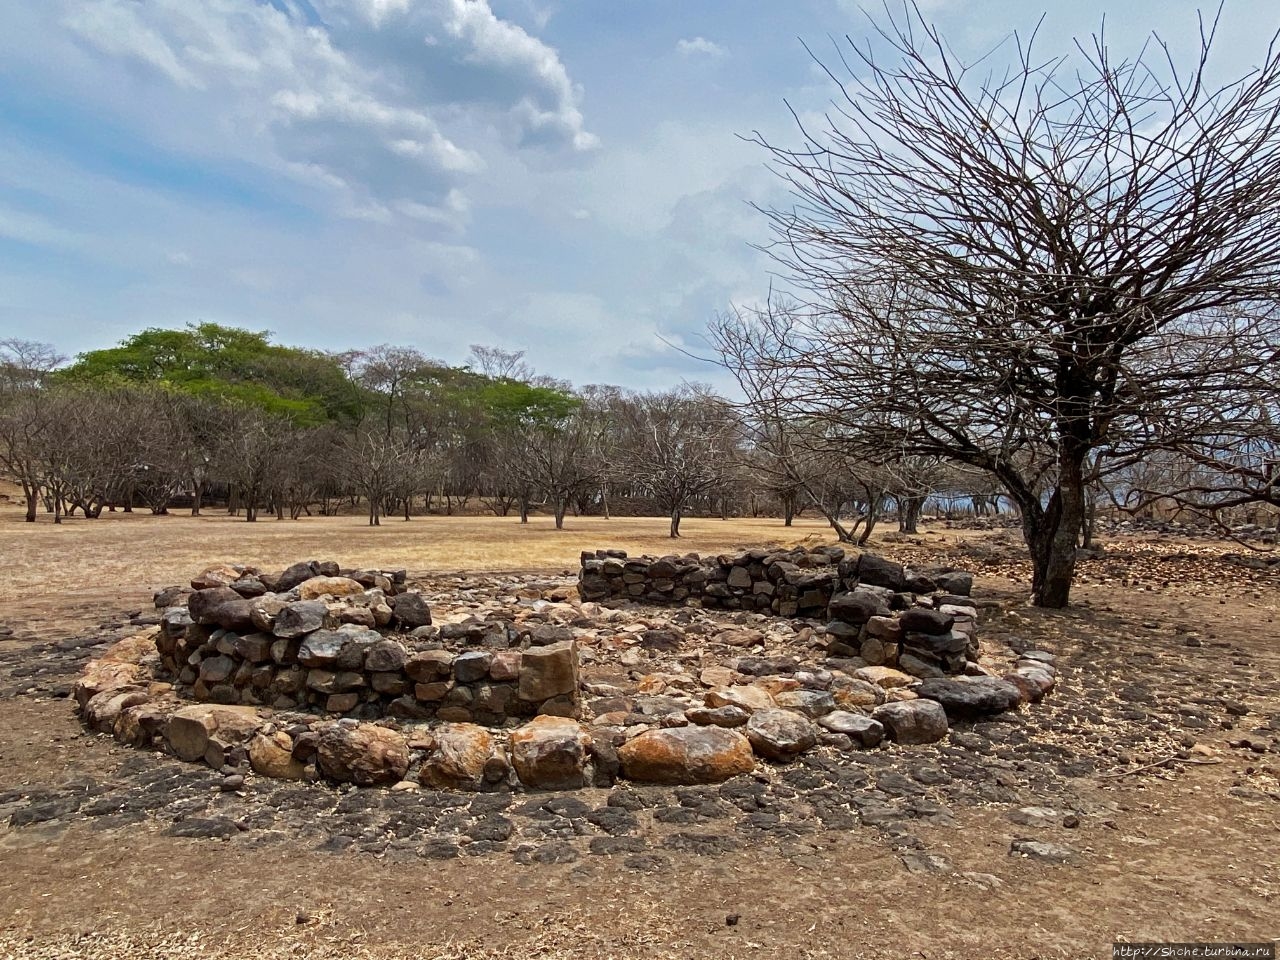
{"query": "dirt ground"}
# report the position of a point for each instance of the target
(1182, 851)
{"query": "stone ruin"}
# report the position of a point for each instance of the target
(320, 672)
(922, 622)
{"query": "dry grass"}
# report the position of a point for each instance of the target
(121, 551)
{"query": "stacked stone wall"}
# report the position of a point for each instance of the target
(888, 615)
(356, 643)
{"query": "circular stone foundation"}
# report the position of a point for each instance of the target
(712, 666)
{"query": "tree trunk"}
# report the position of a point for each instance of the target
(559, 505)
(197, 495)
(604, 499)
(788, 509)
(1051, 535)
(32, 498)
(675, 522)
(524, 509)
(909, 514)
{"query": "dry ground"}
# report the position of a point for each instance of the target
(1180, 857)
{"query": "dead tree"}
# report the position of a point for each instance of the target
(996, 260)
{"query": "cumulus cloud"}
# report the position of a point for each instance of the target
(700, 47)
(350, 95)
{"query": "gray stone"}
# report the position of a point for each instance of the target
(321, 648)
(299, 618)
(1041, 850)
(912, 721)
(966, 698)
(858, 727)
(780, 734)
(923, 620)
(471, 666)
(411, 610)
(385, 656)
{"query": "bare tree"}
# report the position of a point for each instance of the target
(998, 264)
(25, 366)
(678, 445)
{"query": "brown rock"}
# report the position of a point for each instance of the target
(318, 587)
(103, 710)
(886, 677)
(686, 755)
(272, 756)
(363, 754)
(550, 753)
(190, 728)
(748, 698)
(458, 759)
(549, 671)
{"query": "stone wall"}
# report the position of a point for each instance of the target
(922, 622)
(353, 642)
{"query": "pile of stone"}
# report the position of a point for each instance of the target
(672, 695)
(920, 621)
(354, 642)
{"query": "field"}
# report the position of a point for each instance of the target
(1170, 658)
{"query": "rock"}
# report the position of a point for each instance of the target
(912, 721)
(429, 666)
(547, 672)
(880, 572)
(740, 578)
(216, 669)
(1027, 685)
(190, 728)
(234, 615)
(885, 677)
(686, 755)
(505, 665)
(321, 648)
(139, 725)
(385, 656)
(966, 698)
(858, 727)
(317, 587)
(857, 607)
(363, 754)
(202, 603)
(1038, 816)
(920, 668)
(103, 710)
(458, 759)
(171, 597)
(960, 584)
(780, 734)
(811, 703)
(550, 753)
(749, 698)
(1040, 850)
(254, 647)
(726, 716)
(410, 610)
(885, 628)
(924, 620)
(264, 611)
(272, 756)
(293, 576)
(299, 618)
(472, 666)
(855, 692)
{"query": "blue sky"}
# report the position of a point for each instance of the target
(565, 177)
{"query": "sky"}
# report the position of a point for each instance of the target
(571, 178)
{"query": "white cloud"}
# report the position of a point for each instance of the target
(700, 46)
(350, 102)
